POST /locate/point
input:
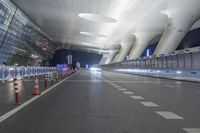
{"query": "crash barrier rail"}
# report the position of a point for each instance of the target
(10, 72)
(184, 66)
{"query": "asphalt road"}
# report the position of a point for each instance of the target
(106, 102)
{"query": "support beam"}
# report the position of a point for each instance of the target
(126, 45)
(104, 58)
(111, 56)
(179, 22)
(141, 43)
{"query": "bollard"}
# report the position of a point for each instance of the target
(45, 81)
(36, 90)
(16, 91)
(57, 77)
(52, 78)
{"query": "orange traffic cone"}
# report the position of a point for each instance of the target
(36, 90)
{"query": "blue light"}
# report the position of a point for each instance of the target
(148, 52)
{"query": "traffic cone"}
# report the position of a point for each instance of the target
(36, 90)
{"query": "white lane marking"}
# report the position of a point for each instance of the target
(18, 108)
(149, 104)
(192, 130)
(128, 92)
(137, 97)
(169, 115)
(122, 89)
(170, 86)
(84, 81)
(116, 86)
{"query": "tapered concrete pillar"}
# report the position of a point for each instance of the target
(126, 45)
(142, 40)
(104, 58)
(111, 56)
(179, 22)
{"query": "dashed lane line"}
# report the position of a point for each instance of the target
(18, 108)
(149, 104)
(170, 86)
(169, 115)
(137, 97)
(122, 89)
(128, 92)
(192, 130)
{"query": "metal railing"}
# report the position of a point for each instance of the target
(9, 72)
(176, 66)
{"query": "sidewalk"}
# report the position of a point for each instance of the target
(26, 85)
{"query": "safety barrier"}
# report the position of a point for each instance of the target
(182, 66)
(10, 72)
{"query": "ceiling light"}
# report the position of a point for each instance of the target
(89, 44)
(92, 34)
(96, 18)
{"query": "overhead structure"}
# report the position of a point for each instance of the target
(141, 42)
(179, 22)
(104, 24)
(126, 45)
(111, 56)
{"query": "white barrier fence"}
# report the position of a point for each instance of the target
(9, 72)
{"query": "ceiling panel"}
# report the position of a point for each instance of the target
(59, 18)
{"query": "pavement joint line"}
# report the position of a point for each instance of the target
(168, 115)
(137, 97)
(128, 92)
(18, 108)
(149, 104)
(170, 86)
(192, 130)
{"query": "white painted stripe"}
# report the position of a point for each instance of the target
(18, 108)
(116, 86)
(128, 92)
(169, 115)
(192, 130)
(122, 89)
(149, 104)
(137, 97)
(170, 86)
(85, 81)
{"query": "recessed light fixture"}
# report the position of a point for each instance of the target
(97, 18)
(88, 44)
(92, 34)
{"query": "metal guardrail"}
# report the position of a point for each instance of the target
(184, 66)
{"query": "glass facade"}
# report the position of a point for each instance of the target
(21, 41)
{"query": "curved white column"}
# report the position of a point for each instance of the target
(141, 42)
(126, 45)
(179, 22)
(111, 56)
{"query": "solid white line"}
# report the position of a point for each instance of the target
(137, 97)
(18, 108)
(128, 92)
(149, 104)
(192, 130)
(85, 81)
(169, 115)
(170, 86)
